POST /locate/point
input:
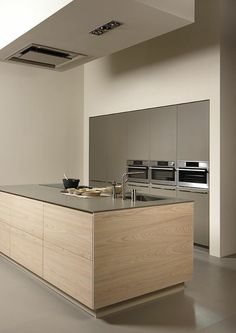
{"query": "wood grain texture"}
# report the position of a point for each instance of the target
(5, 204)
(142, 250)
(5, 238)
(69, 272)
(69, 229)
(27, 215)
(27, 250)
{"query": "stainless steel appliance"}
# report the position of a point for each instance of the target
(133, 166)
(162, 172)
(193, 174)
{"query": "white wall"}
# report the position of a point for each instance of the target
(228, 122)
(181, 66)
(41, 127)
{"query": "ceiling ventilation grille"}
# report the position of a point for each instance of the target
(44, 56)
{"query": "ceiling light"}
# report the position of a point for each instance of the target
(105, 28)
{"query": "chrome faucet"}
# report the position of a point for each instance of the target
(125, 178)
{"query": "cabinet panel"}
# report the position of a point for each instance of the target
(138, 135)
(193, 131)
(201, 215)
(98, 148)
(27, 250)
(5, 238)
(95, 183)
(163, 192)
(69, 229)
(69, 272)
(117, 150)
(163, 133)
(27, 215)
(138, 188)
(5, 204)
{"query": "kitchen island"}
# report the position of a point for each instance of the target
(105, 253)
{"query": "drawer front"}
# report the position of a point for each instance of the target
(69, 272)
(27, 215)
(5, 204)
(5, 238)
(69, 229)
(27, 250)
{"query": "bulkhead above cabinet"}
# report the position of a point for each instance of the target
(84, 30)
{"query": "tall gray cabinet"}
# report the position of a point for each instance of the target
(138, 135)
(98, 148)
(107, 148)
(193, 131)
(163, 133)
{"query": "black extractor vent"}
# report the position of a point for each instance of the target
(44, 56)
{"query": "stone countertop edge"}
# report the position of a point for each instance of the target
(89, 205)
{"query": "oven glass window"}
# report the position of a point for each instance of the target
(166, 175)
(197, 177)
(143, 176)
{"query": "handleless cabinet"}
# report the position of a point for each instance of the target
(138, 187)
(116, 146)
(98, 148)
(163, 132)
(163, 192)
(201, 214)
(138, 135)
(193, 131)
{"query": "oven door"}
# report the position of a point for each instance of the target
(165, 176)
(193, 177)
(138, 178)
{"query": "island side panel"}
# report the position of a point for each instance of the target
(138, 251)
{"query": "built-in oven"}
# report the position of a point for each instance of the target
(162, 172)
(193, 174)
(136, 166)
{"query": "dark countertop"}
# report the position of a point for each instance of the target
(51, 193)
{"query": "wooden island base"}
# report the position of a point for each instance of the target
(105, 261)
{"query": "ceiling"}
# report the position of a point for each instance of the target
(68, 29)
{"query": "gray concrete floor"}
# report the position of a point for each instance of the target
(208, 305)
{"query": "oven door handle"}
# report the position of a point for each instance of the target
(193, 191)
(135, 167)
(194, 170)
(157, 168)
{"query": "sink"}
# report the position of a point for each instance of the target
(145, 197)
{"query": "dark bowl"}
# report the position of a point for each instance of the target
(71, 182)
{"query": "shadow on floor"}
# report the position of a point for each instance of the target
(178, 312)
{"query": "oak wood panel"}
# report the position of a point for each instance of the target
(142, 250)
(69, 229)
(27, 215)
(5, 204)
(69, 272)
(27, 250)
(5, 238)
